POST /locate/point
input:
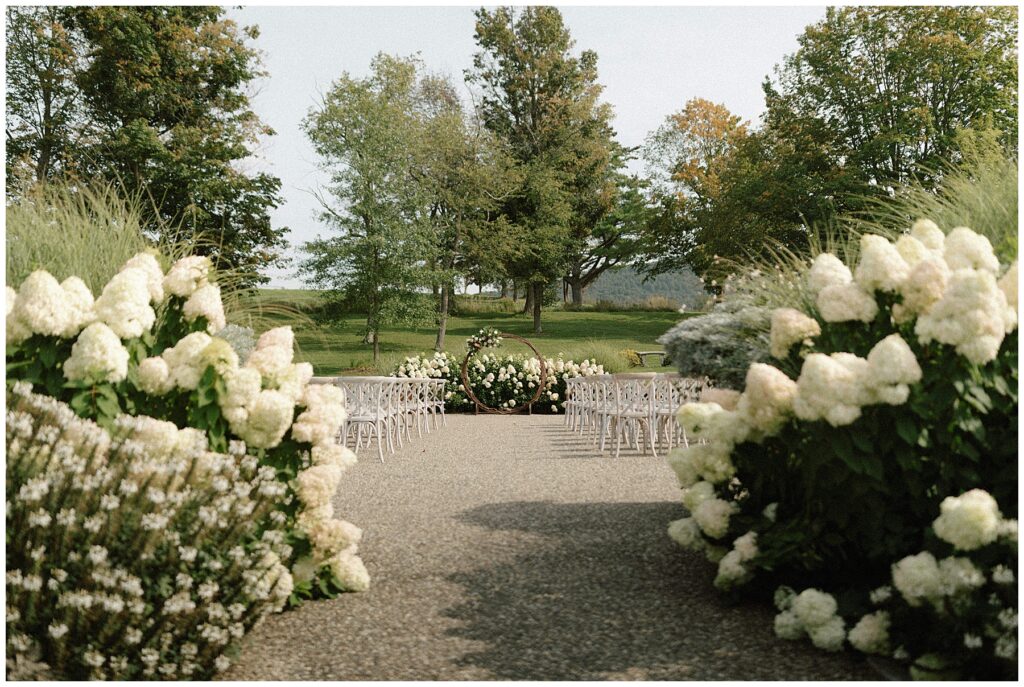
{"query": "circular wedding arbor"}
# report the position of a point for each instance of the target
(475, 348)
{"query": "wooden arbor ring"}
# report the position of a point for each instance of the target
(516, 409)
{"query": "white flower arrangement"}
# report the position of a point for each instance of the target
(968, 521)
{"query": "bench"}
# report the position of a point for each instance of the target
(643, 356)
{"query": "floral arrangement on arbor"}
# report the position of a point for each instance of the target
(144, 347)
(501, 381)
(488, 337)
(894, 399)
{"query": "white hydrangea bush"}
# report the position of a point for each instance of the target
(136, 553)
(150, 345)
(953, 611)
(500, 381)
(894, 397)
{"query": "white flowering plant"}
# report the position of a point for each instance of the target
(948, 612)
(149, 345)
(499, 381)
(124, 563)
(895, 389)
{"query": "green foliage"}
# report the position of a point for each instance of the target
(626, 285)
(170, 129)
(89, 232)
(543, 102)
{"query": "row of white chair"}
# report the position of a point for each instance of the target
(622, 406)
(386, 408)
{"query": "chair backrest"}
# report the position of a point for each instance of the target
(634, 392)
(365, 395)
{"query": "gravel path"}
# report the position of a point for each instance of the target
(506, 548)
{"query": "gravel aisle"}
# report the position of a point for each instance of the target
(506, 548)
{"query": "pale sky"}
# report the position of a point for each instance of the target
(651, 60)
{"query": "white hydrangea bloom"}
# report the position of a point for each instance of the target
(713, 517)
(880, 267)
(220, 355)
(279, 336)
(913, 251)
(1008, 285)
(185, 360)
(205, 302)
(350, 571)
(293, 382)
(928, 233)
(316, 485)
(966, 249)
(697, 494)
(832, 387)
(271, 361)
(846, 303)
(827, 270)
(767, 400)
(80, 304)
(925, 285)
(160, 438)
(304, 569)
(124, 304)
(972, 315)
(830, 635)
(681, 461)
(331, 536)
(892, 366)
(270, 415)
(731, 571)
(17, 331)
(917, 578)
(686, 533)
(97, 354)
(330, 453)
(746, 546)
(958, 574)
(710, 461)
(187, 275)
(814, 607)
(790, 327)
(154, 274)
(788, 626)
(242, 385)
(871, 634)
(968, 521)
(42, 305)
(696, 419)
(155, 376)
(323, 416)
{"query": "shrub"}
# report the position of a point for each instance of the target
(905, 394)
(129, 556)
(720, 345)
(632, 357)
(144, 347)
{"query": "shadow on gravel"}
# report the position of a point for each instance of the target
(608, 596)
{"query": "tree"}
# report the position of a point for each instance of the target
(543, 102)
(366, 131)
(465, 173)
(154, 99)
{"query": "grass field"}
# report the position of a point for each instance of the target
(337, 348)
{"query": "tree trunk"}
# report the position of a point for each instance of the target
(565, 291)
(577, 292)
(376, 348)
(538, 298)
(515, 291)
(504, 288)
(528, 306)
(442, 324)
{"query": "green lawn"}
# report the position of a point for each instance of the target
(338, 348)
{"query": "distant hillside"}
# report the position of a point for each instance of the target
(626, 285)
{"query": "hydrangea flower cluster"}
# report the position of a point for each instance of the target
(500, 381)
(135, 554)
(810, 613)
(488, 337)
(114, 351)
